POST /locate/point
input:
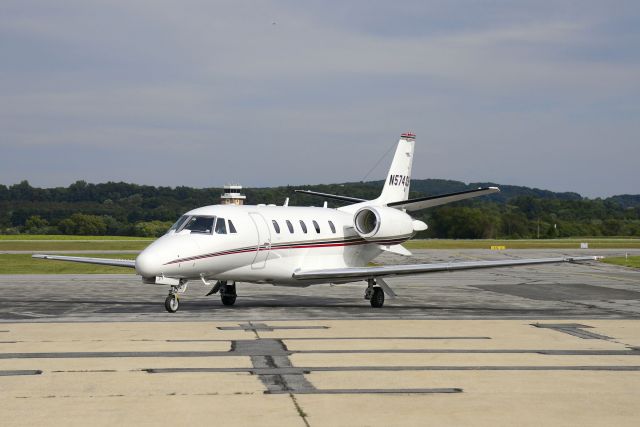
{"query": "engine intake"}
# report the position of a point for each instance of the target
(367, 221)
(382, 222)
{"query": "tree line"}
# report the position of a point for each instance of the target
(117, 208)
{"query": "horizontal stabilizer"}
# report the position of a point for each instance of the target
(129, 263)
(331, 196)
(443, 199)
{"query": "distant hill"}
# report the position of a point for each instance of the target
(626, 200)
(81, 191)
(120, 208)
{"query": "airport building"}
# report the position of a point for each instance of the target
(232, 195)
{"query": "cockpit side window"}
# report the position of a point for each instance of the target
(179, 223)
(232, 229)
(221, 226)
(200, 224)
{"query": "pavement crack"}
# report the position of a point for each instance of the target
(299, 409)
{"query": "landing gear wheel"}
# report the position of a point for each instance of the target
(228, 299)
(377, 298)
(228, 294)
(171, 304)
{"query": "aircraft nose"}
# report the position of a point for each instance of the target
(147, 264)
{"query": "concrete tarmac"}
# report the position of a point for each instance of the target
(555, 345)
(546, 291)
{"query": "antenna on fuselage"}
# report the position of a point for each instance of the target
(286, 202)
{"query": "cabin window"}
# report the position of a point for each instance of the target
(221, 226)
(316, 226)
(332, 227)
(290, 226)
(304, 226)
(276, 226)
(200, 224)
(232, 229)
(179, 223)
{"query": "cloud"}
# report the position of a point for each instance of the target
(502, 91)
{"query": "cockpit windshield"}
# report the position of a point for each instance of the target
(199, 224)
(194, 223)
(176, 225)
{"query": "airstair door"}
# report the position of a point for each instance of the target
(264, 240)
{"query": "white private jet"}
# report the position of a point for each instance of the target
(299, 246)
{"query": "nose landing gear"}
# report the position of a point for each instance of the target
(172, 302)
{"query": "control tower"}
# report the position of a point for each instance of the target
(232, 195)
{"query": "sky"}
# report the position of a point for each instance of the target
(202, 93)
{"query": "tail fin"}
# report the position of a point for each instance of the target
(396, 187)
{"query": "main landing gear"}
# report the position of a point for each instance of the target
(374, 294)
(227, 291)
(172, 302)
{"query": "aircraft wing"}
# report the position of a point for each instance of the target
(363, 273)
(431, 201)
(130, 263)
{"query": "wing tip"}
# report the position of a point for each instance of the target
(584, 258)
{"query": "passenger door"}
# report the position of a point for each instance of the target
(264, 240)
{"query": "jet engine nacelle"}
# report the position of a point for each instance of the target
(381, 222)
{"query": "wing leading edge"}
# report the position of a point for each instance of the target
(129, 263)
(363, 273)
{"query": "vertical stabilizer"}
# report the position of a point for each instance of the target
(396, 187)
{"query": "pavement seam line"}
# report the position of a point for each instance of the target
(299, 409)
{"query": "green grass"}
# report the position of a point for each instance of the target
(26, 242)
(65, 237)
(24, 264)
(78, 243)
(632, 261)
(594, 243)
(73, 245)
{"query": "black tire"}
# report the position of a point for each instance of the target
(228, 293)
(228, 299)
(171, 303)
(377, 298)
